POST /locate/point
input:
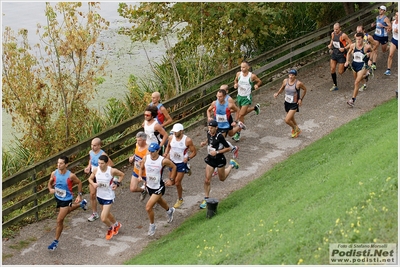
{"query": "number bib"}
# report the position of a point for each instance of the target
(102, 185)
(60, 192)
(137, 165)
(209, 149)
(336, 44)
(177, 156)
(378, 31)
(289, 98)
(221, 118)
(358, 57)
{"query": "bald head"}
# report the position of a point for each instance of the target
(96, 144)
(224, 87)
(155, 97)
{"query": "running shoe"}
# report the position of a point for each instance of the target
(235, 151)
(110, 233)
(116, 228)
(363, 88)
(93, 217)
(84, 204)
(170, 214)
(203, 204)
(334, 88)
(236, 137)
(296, 133)
(234, 164)
(152, 229)
(143, 194)
(241, 125)
(257, 108)
(350, 103)
(215, 172)
(387, 72)
(373, 67)
(53, 245)
(293, 133)
(178, 203)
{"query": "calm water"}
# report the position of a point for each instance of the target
(124, 57)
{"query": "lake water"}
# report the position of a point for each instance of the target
(124, 57)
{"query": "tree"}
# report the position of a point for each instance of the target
(152, 22)
(46, 89)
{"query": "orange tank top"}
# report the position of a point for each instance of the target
(139, 155)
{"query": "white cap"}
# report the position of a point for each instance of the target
(382, 7)
(177, 127)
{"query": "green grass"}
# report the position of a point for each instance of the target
(340, 189)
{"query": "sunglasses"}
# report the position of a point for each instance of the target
(147, 115)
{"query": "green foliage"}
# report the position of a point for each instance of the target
(340, 189)
(46, 88)
(227, 31)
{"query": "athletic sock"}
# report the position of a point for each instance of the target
(334, 78)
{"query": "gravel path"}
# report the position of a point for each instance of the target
(266, 142)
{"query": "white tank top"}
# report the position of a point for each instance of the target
(104, 182)
(244, 84)
(395, 25)
(153, 171)
(149, 130)
(178, 149)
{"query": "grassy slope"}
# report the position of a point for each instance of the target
(340, 189)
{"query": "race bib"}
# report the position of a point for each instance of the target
(336, 44)
(60, 192)
(177, 156)
(137, 165)
(289, 98)
(378, 31)
(358, 57)
(152, 178)
(209, 149)
(102, 185)
(221, 118)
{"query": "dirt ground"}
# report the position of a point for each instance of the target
(266, 142)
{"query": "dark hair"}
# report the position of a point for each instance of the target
(153, 110)
(360, 34)
(65, 159)
(104, 158)
(222, 91)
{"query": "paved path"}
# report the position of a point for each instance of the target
(266, 142)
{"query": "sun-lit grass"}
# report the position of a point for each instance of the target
(340, 189)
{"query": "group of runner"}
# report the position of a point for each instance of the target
(155, 149)
(361, 56)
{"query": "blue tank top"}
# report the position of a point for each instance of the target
(222, 114)
(381, 31)
(63, 186)
(94, 158)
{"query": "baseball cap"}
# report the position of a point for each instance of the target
(382, 7)
(213, 123)
(177, 127)
(153, 147)
(293, 71)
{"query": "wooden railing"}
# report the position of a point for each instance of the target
(31, 184)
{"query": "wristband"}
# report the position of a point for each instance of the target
(80, 193)
(117, 183)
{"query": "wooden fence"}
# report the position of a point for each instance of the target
(31, 184)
